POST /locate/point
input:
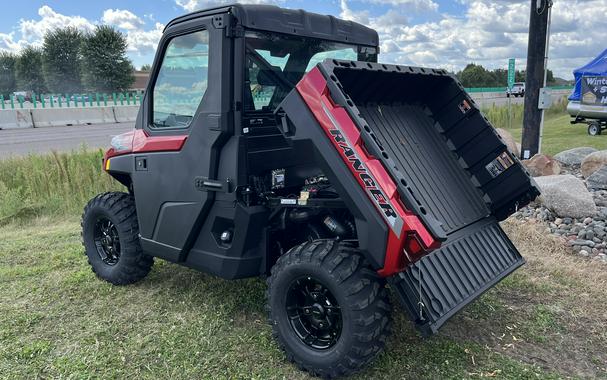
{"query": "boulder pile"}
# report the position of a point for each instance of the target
(573, 204)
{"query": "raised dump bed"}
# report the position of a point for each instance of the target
(451, 170)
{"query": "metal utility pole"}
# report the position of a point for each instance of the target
(535, 76)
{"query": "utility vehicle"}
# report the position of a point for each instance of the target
(270, 142)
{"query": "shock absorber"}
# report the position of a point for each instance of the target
(336, 226)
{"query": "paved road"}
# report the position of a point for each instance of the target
(19, 142)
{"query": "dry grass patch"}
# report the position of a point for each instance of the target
(550, 313)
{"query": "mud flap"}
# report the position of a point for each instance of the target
(472, 261)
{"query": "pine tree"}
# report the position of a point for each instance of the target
(105, 66)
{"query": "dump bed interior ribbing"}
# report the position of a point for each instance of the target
(452, 167)
(407, 134)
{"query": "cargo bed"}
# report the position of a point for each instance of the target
(450, 168)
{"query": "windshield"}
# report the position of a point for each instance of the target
(275, 63)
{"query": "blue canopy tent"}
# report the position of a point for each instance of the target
(588, 101)
(596, 67)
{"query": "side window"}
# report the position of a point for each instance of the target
(262, 87)
(181, 81)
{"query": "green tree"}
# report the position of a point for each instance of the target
(476, 76)
(8, 81)
(501, 77)
(28, 69)
(550, 77)
(61, 60)
(105, 66)
(147, 67)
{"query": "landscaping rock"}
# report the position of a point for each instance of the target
(574, 156)
(593, 162)
(542, 165)
(509, 141)
(584, 236)
(566, 195)
(598, 179)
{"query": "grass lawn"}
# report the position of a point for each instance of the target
(558, 135)
(57, 320)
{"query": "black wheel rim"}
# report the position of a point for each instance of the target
(107, 241)
(314, 314)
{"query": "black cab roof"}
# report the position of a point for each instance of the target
(290, 21)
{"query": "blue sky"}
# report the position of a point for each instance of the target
(434, 33)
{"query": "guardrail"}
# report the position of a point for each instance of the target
(503, 89)
(71, 100)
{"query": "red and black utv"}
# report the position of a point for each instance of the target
(270, 142)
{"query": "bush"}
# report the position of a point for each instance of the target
(58, 183)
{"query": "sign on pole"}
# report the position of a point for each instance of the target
(511, 72)
(511, 78)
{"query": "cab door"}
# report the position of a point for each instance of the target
(185, 117)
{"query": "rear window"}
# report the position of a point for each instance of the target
(276, 62)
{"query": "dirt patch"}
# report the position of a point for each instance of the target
(550, 313)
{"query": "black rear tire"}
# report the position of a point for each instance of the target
(110, 235)
(346, 285)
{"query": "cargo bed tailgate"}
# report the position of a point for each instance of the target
(439, 285)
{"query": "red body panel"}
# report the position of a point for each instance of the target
(143, 143)
(370, 174)
(138, 141)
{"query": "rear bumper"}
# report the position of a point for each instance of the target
(474, 259)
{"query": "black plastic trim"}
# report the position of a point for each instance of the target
(473, 261)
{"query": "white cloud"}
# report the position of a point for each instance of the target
(192, 5)
(346, 13)
(490, 32)
(122, 19)
(144, 42)
(8, 43)
(409, 5)
(140, 41)
(34, 30)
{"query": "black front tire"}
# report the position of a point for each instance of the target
(594, 128)
(355, 290)
(110, 235)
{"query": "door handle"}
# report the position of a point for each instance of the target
(206, 184)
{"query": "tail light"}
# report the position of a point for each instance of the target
(413, 248)
(122, 143)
